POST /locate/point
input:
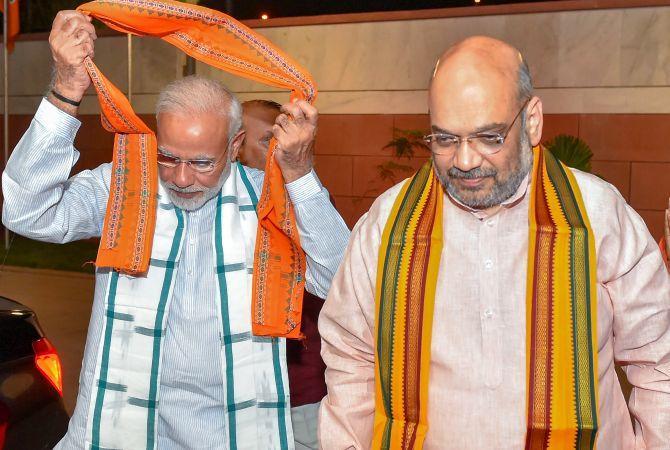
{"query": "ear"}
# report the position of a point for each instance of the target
(236, 144)
(534, 121)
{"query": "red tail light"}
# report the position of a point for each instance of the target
(48, 362)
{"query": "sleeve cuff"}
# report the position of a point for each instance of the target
(57, 121)
(304, 188)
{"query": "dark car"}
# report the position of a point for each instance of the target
(32, 414)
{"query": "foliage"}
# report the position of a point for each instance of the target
(404, 145)
(387, 171)
(404, 142)
(572, 151)
(72, 256)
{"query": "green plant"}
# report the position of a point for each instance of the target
(571, 151)
(404, 142)
(404, 145)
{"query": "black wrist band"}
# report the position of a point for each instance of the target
(65, 99)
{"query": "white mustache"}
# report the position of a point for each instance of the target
(186, 190)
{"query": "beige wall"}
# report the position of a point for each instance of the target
(603, 74)
(595, 61)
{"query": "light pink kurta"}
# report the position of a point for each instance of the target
(477, 390)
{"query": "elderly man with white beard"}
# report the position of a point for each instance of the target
(218, 388)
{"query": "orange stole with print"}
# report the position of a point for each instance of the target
(220, 41)
(561, 306)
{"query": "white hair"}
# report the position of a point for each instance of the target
(196, 95)
(524, 82)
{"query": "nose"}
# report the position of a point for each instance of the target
(183, 176)
(467, 158)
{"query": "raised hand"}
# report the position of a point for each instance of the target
(71, 41)
(295, 130)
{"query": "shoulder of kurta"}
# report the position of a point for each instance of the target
(380, 209)
(615, 224)
(603, 202)
(366, 235)
(596, 190)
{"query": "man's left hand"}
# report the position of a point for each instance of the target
(295, 130)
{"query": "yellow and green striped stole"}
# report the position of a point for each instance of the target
(561, 361)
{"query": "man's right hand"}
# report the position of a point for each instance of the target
(71, 41)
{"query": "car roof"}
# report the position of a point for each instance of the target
(8, 305)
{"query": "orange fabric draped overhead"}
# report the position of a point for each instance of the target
(220, 41)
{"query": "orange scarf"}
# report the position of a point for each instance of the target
(220, 41)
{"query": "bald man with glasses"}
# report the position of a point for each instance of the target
(484, 303)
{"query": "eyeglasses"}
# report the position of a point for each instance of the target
(485, 143)
(198, 165)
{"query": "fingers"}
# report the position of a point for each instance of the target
(296, 115)
(280, 135)
(301, 111)
(71, 29)
(76, 25)
(293, 110)
(310, 112)
(295, 127)
(63, 16)
(286, 122)
(69, 22)
(87, 50)
(72, 38)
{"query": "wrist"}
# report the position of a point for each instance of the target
(65, 99)
(71, 93)
(291, 175)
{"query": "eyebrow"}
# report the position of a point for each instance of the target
(496, 126)
(200, 156)
(165, 152)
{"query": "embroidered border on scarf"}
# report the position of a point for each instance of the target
(220, 41)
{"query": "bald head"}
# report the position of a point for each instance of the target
(483, 66)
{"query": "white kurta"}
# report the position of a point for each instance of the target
(43, 203)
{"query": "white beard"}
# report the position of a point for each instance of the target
(192, 204)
